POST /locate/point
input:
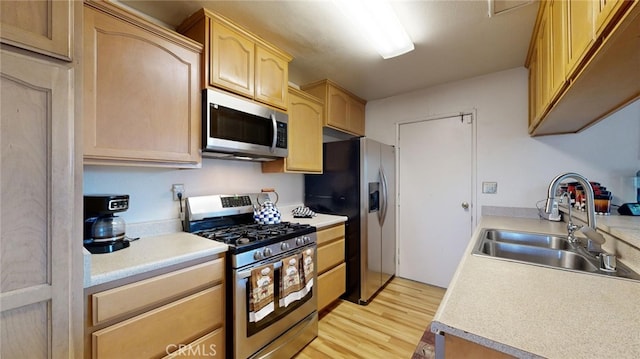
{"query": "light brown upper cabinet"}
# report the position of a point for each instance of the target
(583, 63)
(142, 101)
(38, 25)
(580, 32)
(238, 61)
(547, 64)
(306, 114)
(604, 11)
(343, 111)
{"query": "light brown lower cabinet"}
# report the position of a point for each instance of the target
(331, 265)
(175, 314)
(456, 347)
(211, 345)
(331, 285)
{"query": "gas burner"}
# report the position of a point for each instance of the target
(249, 235)
(243, 240)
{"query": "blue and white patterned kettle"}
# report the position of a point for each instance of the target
(267, 212)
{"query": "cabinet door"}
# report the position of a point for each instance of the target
(337, 104)
(163, 330)
(37, 209)
(580, 33)
(141, 101)
(557, 16)
(272, 78)
(305, 135)
(232, 60)
(604, 12)
(533, 90)
(331, 285)
(356, 117)
(211, 345)
(37, 25)
(544, 60)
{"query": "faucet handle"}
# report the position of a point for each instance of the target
(607, 262)
(593, 235)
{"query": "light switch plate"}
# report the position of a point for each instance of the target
(490, 187)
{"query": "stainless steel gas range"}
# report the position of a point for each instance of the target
(271, 301)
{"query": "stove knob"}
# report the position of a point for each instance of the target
(257, 255)
(284, 246)
(299, 241)
(306, 239)
(267, 252)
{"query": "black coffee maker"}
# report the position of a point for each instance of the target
(104, 232)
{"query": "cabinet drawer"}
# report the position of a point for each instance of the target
(330, 255)
(126, 299)
(331, 285)
(209, 346)
(154, 333)
(329, 234)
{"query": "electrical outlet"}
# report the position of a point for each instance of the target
(490, 187)
(177, 188)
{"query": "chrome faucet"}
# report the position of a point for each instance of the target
(595, 239)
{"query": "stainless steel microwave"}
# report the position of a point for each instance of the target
(237, 128)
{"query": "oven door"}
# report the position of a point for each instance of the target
(238, 126)
(250, 337)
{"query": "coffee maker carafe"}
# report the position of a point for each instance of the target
(104, 232)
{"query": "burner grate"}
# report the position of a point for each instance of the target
(239, 235)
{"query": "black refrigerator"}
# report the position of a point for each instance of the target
(358, 181)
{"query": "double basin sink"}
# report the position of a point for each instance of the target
(544, 250)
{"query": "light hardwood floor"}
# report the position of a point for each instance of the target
(389, 327)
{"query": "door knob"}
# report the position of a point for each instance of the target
(465, 205)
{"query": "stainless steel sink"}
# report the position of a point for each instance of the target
(544, 256)
(531, 239)
(544, 250)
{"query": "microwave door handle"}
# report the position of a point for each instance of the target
(275, 133)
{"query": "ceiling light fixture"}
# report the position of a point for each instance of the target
(380, 24)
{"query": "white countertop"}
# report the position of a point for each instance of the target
(147, 254)
(155, 252)
(532, 311)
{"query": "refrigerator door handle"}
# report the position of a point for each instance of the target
(382, 215)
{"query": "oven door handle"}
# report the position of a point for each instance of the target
(247, 273)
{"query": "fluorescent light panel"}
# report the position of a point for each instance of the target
(380, 24)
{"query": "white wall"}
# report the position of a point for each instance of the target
(150, 188)
(608, 152)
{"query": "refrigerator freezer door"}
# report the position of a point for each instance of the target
(371, 276)
(388, 230)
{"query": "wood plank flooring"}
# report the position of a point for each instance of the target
(389, 327)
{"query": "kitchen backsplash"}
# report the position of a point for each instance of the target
(150, 188)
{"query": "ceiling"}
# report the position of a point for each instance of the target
(454, 39)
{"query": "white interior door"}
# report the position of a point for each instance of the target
(435, 185)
